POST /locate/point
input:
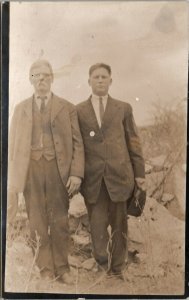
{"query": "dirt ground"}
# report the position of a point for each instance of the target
(155, 262)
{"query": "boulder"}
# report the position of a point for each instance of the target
(81, 239)
(166, 198)
(176, 184)
(74, 224)
(134, 230)
(74, 261)
(158, 236)
(77, 206)
(153, 182)
(179, 186)
(159, 163)
(148, 168)
(89, 264)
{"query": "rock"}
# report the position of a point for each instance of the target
(166, 232)
(134, 230)
(159, 163)
(176, 184)
(89, 264)
(74, 261)
(85, 222)
(77, 206)
(74, 224)
(153, 181)
(158, 236)
(174, 208)
(148, 168)
(166, 198)
(142, 256)
(179, 187)
(81, 240)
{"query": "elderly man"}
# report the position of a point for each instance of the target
(113, 164)
(46, 163)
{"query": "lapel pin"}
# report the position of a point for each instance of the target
(92, 133)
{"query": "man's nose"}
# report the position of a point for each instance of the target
(41, 76)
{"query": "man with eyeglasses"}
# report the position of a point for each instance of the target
(46, 163)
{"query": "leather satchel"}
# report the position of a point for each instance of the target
(136, 203)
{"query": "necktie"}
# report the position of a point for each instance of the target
(101, 109)
(42, 107)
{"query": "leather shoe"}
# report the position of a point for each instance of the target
(66, 278)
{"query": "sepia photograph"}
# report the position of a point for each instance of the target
(97, 145)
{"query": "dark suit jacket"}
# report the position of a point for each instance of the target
(112, 152)
(66, 135)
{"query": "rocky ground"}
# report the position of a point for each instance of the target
(155, 263)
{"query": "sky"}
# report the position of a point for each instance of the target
(144, 42)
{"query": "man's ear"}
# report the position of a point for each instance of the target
(111, 81)
(89, 82)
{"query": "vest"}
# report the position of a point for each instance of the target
(42, 139)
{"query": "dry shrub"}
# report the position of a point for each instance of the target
(167, 134)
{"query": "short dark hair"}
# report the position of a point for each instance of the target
(100, 65)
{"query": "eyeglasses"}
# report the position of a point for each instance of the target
(39, 75)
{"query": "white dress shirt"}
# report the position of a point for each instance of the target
(95, 104)
(38, 99)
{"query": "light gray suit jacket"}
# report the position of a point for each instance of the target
(66, 135)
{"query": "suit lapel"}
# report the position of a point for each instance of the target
(28, 108)
(57, 105)
(110, 111)
(90, 114)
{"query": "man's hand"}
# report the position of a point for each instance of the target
(12, 206)
(73, 185)
(141, 183)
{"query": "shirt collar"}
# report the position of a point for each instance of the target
(95, 97)
(48, 95)
(38, 99)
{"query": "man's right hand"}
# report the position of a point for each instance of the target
(12, 206)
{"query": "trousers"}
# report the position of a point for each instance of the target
(47, 205)
(109, 247)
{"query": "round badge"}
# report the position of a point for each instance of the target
(92, 133)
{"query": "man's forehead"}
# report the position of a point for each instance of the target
(100, 70)
(41, 68)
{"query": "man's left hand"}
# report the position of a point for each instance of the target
(73, 185)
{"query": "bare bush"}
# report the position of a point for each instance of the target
(167, 133)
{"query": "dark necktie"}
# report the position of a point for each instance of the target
(42, 107)
(101, 109)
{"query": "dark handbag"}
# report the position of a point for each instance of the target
(136, 203)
